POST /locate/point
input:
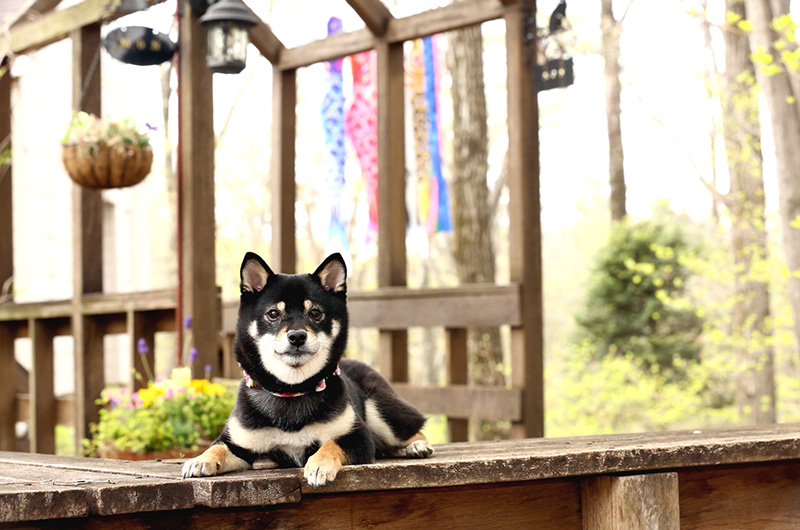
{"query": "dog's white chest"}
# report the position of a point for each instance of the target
(292, 443)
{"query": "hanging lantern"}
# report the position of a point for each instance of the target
(228, 23)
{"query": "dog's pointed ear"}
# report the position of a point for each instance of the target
(254, 273)
(332, 273)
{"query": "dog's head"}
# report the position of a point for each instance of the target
(292, 329)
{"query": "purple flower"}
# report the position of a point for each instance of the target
(192, 355)
(170, 393)
(187, 321)
(150, 127)
(141, 346)
(208, 368)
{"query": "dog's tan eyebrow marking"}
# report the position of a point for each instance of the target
(308, 304)
(281, 306)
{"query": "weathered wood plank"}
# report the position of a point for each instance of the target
(196, 189)
(283, 185)
(263, 489)
(447, 18)
(458, 374)
(87, 238)
(391, 185)
(525, 235)
(633, 502)
(375, 15)
(41, 381)
(8, 416)
(461, 401)
(28, 36)
(748, 496)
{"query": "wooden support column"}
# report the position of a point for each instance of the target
(42, 434)
(636, 502)
(7, 385)
(141, 327)
(525, 237)
(87, 240)
(391, 198)
(198, 257)
(284, 130)
(457, 374)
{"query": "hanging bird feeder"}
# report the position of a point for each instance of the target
(554, 67)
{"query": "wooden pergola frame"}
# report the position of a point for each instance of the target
(90, 314)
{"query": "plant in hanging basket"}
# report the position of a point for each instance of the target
(102, 154)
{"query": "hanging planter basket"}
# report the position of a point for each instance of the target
(101, 166)
(91, 161)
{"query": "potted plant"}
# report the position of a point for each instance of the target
(169, 418)
(105, 154)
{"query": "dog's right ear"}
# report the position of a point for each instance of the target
(254, 273)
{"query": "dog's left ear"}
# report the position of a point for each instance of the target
(333, 273)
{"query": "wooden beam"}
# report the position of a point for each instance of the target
(42, 424)
(391, 198)
(31, 10)
(461, 401)
(457, 361)
(635, 502)
(196, 210)
(28, 36)
(87, 238)
(6, 197)
(265, 41)
(374, 14)
(283, 185)
(525, 236)
(440, 20)
(8, 386)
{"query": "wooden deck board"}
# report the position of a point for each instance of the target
(709, 463)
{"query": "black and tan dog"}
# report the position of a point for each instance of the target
(300, 403)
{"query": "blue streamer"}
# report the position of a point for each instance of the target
(444, 222)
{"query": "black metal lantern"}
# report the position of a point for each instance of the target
(228, 23)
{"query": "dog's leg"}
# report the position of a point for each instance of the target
(215, 460)
(323, 466)
(415, 447)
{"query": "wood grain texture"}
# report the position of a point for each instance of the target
(635, 502)
(760, 497)
(282, 174)
(41, 384)
(525, 234)
(375, 15)
(196, 204)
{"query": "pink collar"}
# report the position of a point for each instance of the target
(322, 385)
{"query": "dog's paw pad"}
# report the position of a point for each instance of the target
(419, 449)
(321, 471)
(199, 467)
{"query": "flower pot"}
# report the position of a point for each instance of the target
(102, 166)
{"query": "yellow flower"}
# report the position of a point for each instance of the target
(198, 386)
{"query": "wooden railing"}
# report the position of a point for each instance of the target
(141, 315)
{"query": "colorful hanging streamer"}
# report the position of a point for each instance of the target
(361, 126)
(433, 202)
(333, 125)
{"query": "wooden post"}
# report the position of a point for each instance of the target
(636, 502)
(527, 339)
(87, 240)
(391, 198)
(457, 374)
(42, 422)
(8, 413)
(198, 261)
(284, 120)
(141, 327)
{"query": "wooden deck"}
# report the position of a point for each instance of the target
(743, 478)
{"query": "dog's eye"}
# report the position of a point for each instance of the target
(315, 314)
(273, 315)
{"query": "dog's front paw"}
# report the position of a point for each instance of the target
(419, 449)
(323, 466)
(201, 466)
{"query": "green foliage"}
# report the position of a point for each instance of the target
(90, 130)
(169, 414)
(629, 310)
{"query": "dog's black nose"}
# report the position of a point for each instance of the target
(297, 337)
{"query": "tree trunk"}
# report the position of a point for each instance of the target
(782, 100)
(749, 323)
(472, 214)
(616, 174)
